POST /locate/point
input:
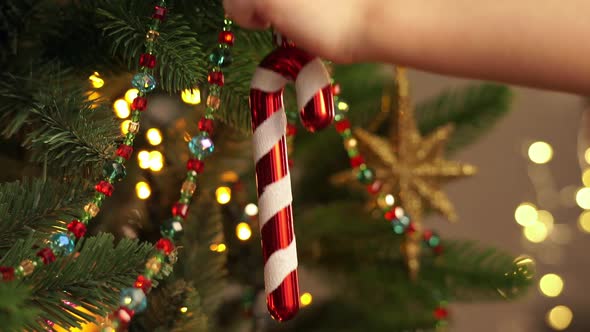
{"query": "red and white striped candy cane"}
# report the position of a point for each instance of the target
(315, 101)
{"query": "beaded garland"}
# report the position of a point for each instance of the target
(64, 243)
(134, 299)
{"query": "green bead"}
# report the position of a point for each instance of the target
(209, 113)
(114, 171)
(346, 134)
(338, 117)
(398, 228)
(136, 114)
(366, 176)
(352, 152)
(221, 56)
(98, 199)
(228, 21)
(191, 176)
(215, 90)
(172, 229)
(184, 200)
(434, 241)
(149, 273)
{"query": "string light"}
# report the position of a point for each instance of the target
(526, 214)
(121, 109)
(305, 299)
(546, 218)
(229, 176)
(183, 310)
(243, 231)
(551, 285)
(156, 161)
(560, 317)
(221, 247)
(191, 96)
(536, 233)
(342, 106)
(154, 136)
(143, 190)
(96, 81)
(251, 210)
(584, 221)
(130, 95)
(143, 157)
(213, 247)
(125, 127)
(223, 195)
(587, 155)
(540, 152)
(583, 198)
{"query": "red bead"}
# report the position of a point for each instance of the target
(291, 129)
(336, 89)
(104, 187)
(125, 151)
(216, 77)
(356, 161)
(411, 228)
(46, 255)
(342, 125)
(144, 283)
(390, 215)
(374, 187)
(195, 165)
(226, 37)
(147, 60)
(438, 250)
(77, 228)
(165, 245)
(179, 209)
(139, 104)
(7, 273)
(124, 315)
(206, 125)
(427, 235)
(159, 13)
(441, 313)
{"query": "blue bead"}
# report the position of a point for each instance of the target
(61, 244)
(134, 299)
(144, 82)
(201, 145)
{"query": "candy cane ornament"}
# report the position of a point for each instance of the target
(315, 101)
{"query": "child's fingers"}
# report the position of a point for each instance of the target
(244, 13)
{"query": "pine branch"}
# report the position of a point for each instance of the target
(473, 110)
(35, 206)
(91, 279)
(15, 311)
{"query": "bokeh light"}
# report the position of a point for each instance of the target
(143, 190)
(536, 233)
(156, 161)
(560, 317)
(306, 299)
(229, 176)
(540, 152)
(121, 108)
(251, 210)
(223, 195)
(154, 136)
(551, 285)
(243, 231)
(143, 158)
(586, 177)
(125, 127)
(191, 96)
(547, 219)
(526, 214)
(96, 81)
(587, 155)
(584, 221)
(583, 198)
(130, 95)
(183, 310)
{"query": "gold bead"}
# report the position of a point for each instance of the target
(350, 143)
(213, 101)
(154, 265)
(188, 187)
(27, 266)
(133, 127)
(152, 35)
(91, 209)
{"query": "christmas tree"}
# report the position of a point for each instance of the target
(81, 248)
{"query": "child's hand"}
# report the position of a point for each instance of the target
(333, 29)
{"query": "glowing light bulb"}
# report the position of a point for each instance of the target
(223, 195)
(251, 210)
(243, 231)
(536, 233)
(183, 310)
(526, 214)
(213, 247)
(221, 247)
(143, 190)
(560, 317)
(583, 198)
(540, 152)
(156, 161)
(584, 221)
(143, 157)
(130, 95)
(96, 81)
(191, 96)
(587, 155)
(547, 219)
(306, 299)
(586, 177)
(551, 285)
(154, 136)
(125, 127)
(121, 108)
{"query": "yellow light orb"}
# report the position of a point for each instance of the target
(540, 152)
(183, 310)
(213, 247)
(536, 233)
(551, 285)
(584, 221)
(96, 81)
(342, 106)
(251, 210)
(560, 317)
(526, 214)
(305, 299)
(229, 176)
(143, 157)
(223, 195)
(583, 198)
(586, 177)
(143, 190)
(191, 96)
(243, 231)
(121, 108)
(156, 161)
(546, 218)
(125, 127)
(221, 247)
(130, 95)
(587, 155)
(154, 136)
